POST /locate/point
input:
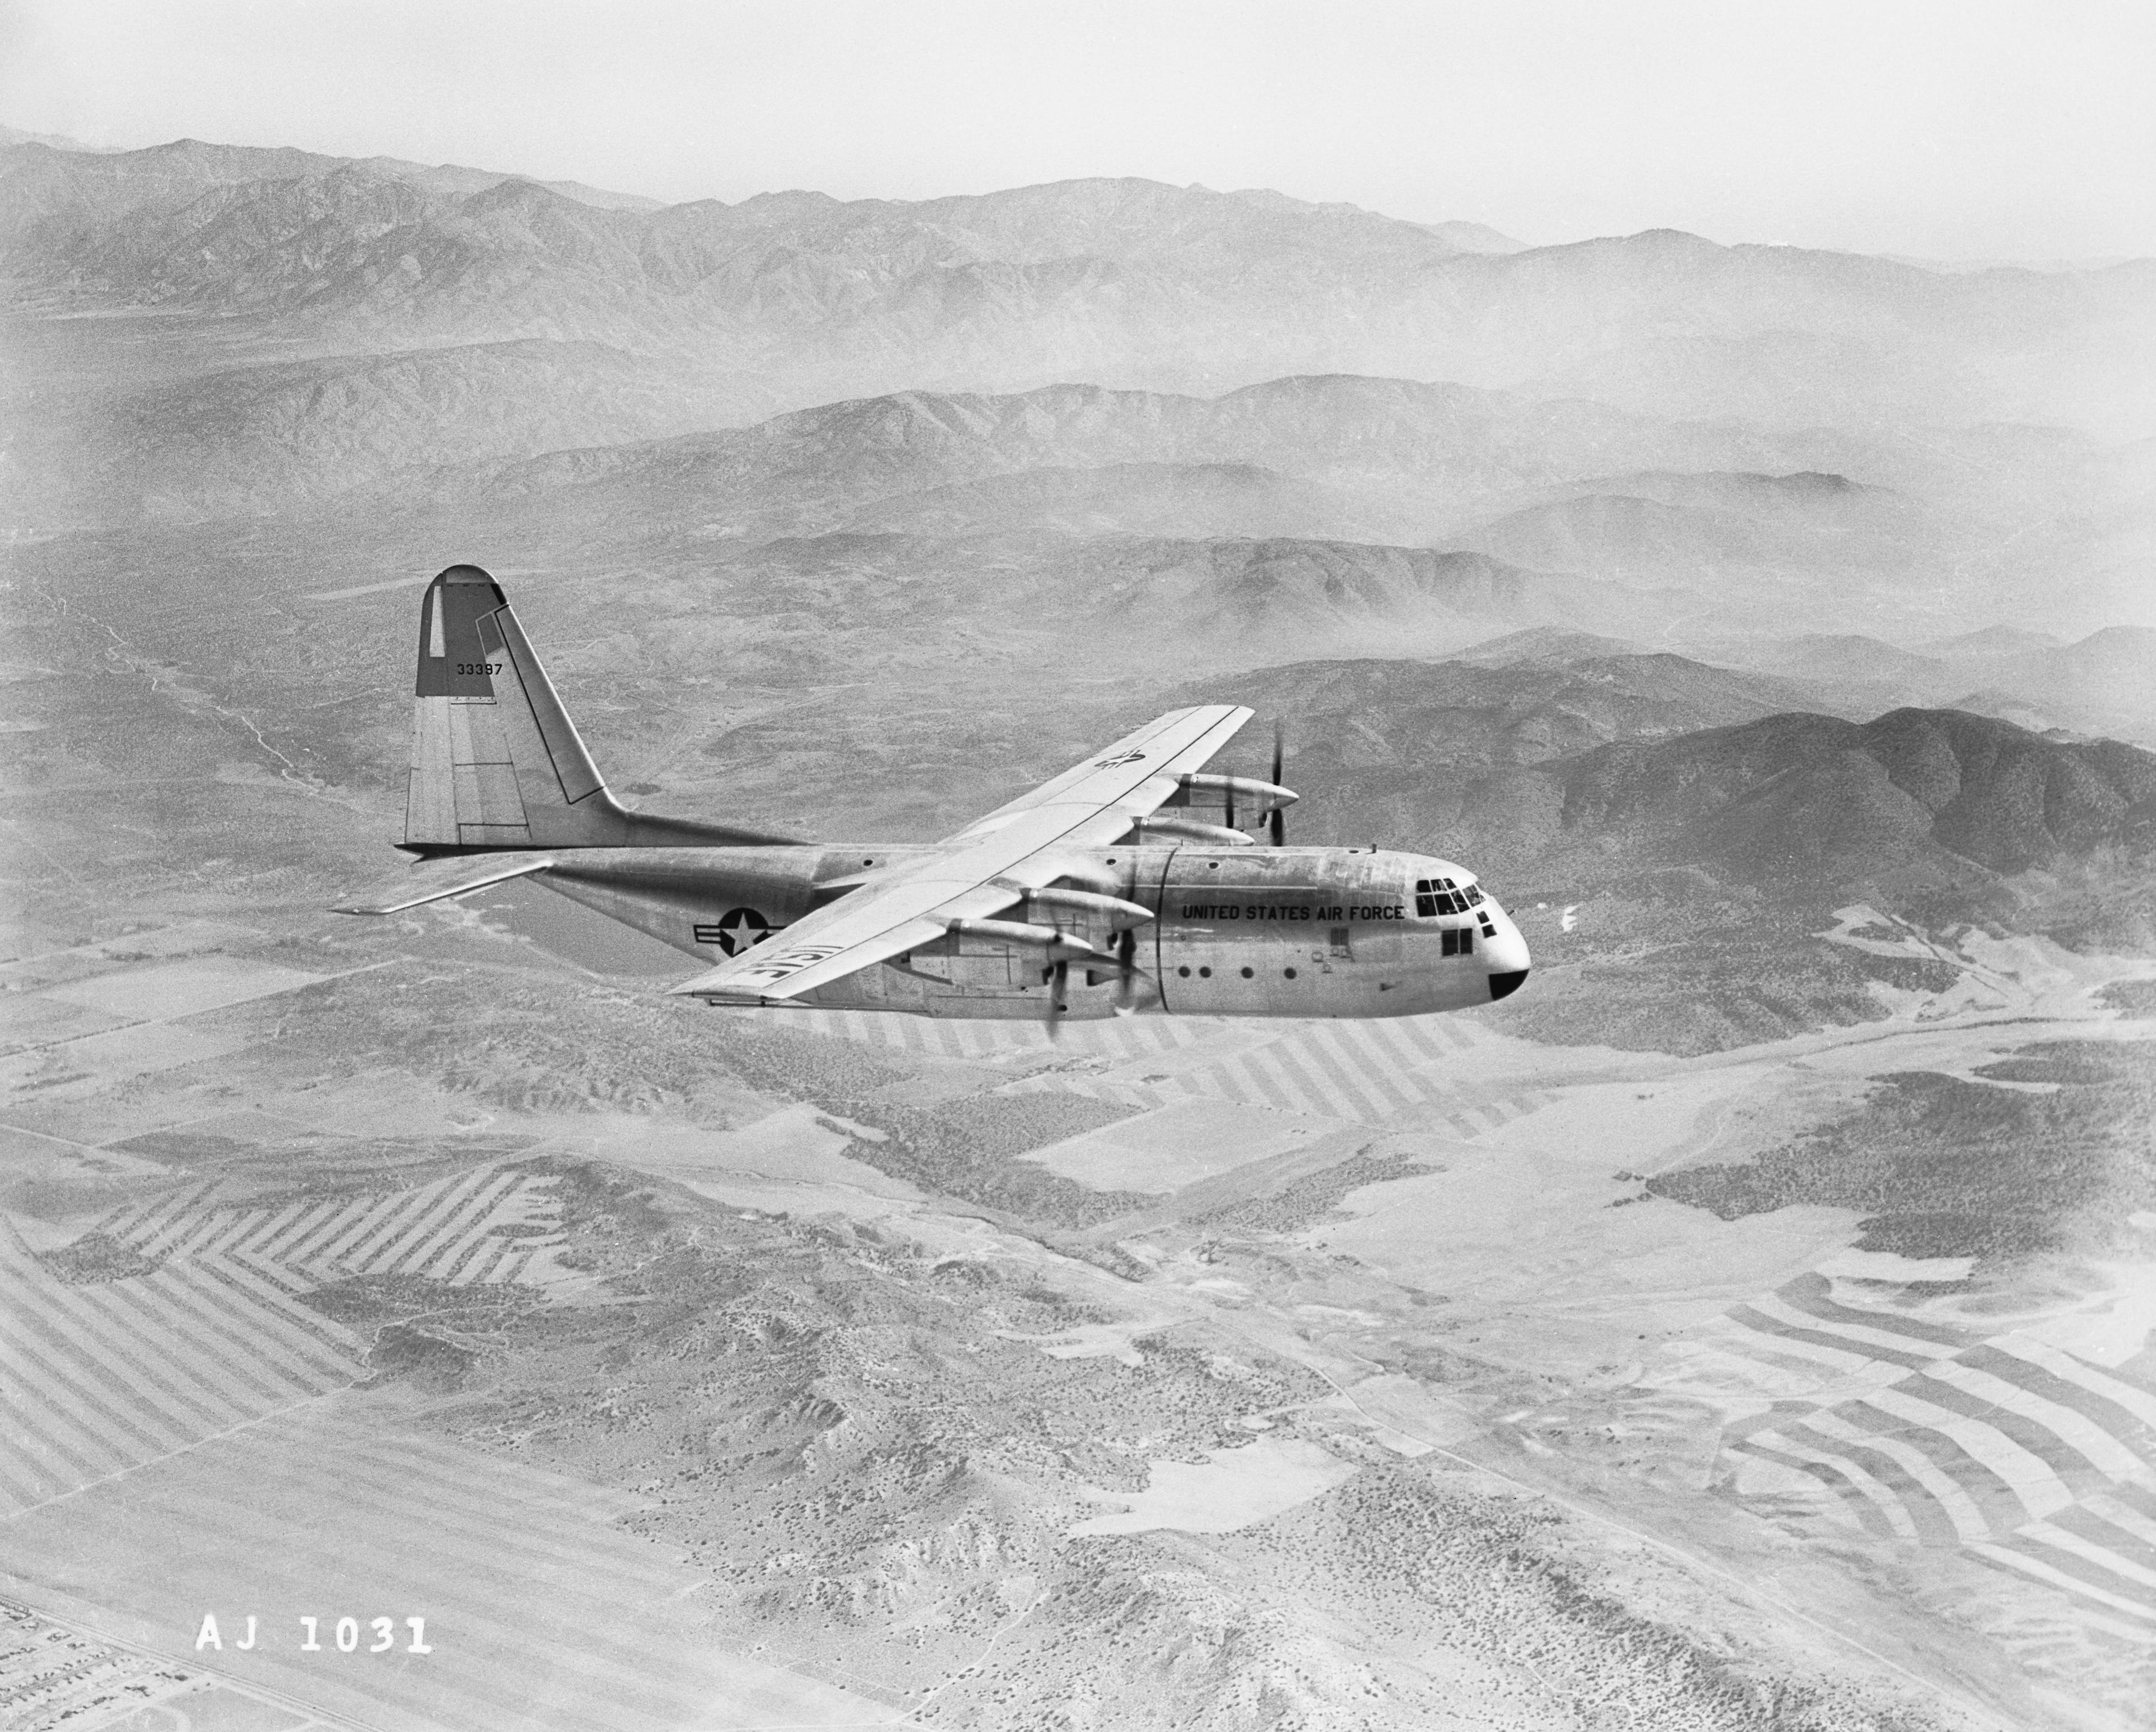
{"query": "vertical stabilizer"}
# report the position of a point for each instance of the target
(496, 763)
(464, 791)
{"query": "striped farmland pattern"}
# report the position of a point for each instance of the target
(1361, 1071)
(485, 1225)
(2035, 1460)
(101, 1377)
(542, 1609)
(97, 1379)
(993, 1040)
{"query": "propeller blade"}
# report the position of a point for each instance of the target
(1058, 978)
(1276, 819)
(1126, 961)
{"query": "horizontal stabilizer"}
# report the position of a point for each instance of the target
(440, 879)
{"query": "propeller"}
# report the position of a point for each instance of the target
(1276, 819)
(1058, 976)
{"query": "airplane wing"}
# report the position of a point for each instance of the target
(982, 869)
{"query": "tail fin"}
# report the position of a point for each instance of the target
(496, 763)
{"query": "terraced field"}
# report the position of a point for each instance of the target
(482, 1226)
(107, 1374)
(1921, 1426)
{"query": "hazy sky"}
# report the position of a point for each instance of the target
(1965, 129)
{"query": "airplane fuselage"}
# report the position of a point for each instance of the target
(1106, 889)
(1236, 931)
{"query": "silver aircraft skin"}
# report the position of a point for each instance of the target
(1097, 894)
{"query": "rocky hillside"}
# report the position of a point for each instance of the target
(1678, 854)
(1808, 799)
(1366, 735)
(250, 440)
(1381, 459)
(1605, 765)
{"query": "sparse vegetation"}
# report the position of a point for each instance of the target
(1941, 1166)
(1313, 1197)
(97, 1257)
(965, 1149)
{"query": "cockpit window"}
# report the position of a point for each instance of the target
(1436, 896)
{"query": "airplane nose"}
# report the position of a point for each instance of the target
(1505, 958)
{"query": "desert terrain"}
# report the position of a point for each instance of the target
(1746, 1325)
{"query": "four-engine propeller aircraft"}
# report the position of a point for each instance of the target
(1096, 893)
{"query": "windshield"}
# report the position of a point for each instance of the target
(1436, 896)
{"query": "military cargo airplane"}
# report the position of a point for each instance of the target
(1094, 894)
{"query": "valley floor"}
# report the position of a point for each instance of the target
(294, 1332)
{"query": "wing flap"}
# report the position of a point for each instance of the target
(843, 937)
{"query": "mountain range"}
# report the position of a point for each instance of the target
(1743, 469)
(1817, 800)
(1311, 455)
(2100, 683)
(1760, 442)
(1701, 833)
(1120, 282)
(1655, 759)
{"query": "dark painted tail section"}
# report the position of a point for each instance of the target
(452, 659)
